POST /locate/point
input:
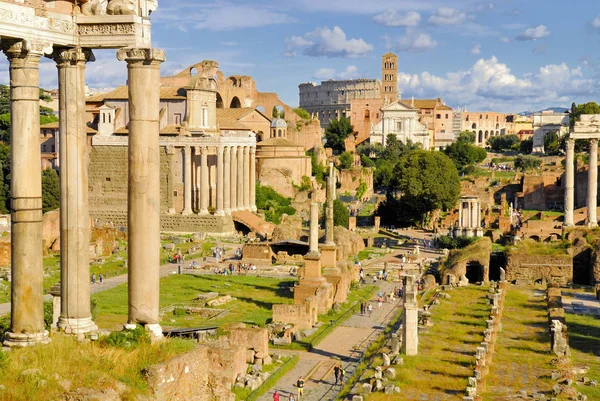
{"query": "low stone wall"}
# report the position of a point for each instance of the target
(255, 339)
(302, 316)
(556, 269)
(260, 251)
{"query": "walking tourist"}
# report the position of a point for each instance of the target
(370, 309)
(100, 277)
(93, 278)
(336, 373)
(275, 396)
(342, 374)
(300, 385)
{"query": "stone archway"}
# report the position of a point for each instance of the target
(235, 103)
(475, 272)
(219, 101)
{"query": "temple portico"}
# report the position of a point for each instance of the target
(469, 217)
(587, 128)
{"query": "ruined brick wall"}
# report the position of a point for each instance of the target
(554, 268)
(302, 316)
(350, 180)
(256, 339)
(258, 251)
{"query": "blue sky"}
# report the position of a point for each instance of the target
(504, 55)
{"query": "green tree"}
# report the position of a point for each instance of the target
(50, 190)
(273, 203)
(367, 161)
(361, 190)
(275, 112)
(427, 181)
(586, 108)
(551, 143)
(303, 114)
(525, 162)
(466, 136)
(346, 161)
(462, 153)
(504, 142)
(336, 132)
(526, 146)
(340, 213)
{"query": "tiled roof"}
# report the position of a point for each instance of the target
(122, 93)
(168, 130)
(278, 142)
(444, 107)
(424, 103)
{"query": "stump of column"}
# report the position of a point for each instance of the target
(143, 73)
(593, 184)
(75, 316)
(27, 271)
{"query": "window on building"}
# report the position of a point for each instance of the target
(467, 118)
(367, 115)
(398, 125)
(177, 117)
(438, 116)
(43, 148)
(486, 116)
(53, 148)
(480, 116)
(107, 179)
(446, 115)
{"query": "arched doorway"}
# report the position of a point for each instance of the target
(474, 272)
(235, 103)
(219, 101)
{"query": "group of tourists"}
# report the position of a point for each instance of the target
(219, 254)
(366, 308)
(100, 278)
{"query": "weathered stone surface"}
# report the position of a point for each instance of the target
(220, 301)
(386, 359)
(390, 373)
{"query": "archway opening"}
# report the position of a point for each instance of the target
(219, 101)
(474, 272)
(235, 103)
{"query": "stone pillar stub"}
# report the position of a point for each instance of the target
(313, 237)
(253, 179)
(75, 313)
(27, 271)
(593, 184)
(410, 340)
(143, 73)
(570, 183)
(204, 192)
(329, 222)
(187, 180)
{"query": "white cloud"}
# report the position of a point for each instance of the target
(325, 42)
(393, 17)
(538, 32)
(372, 6)
(539, 49)
(415, 42)
(490, 85)
(476, 50)
(323, 74)
(595, 23)
(218, 16)
(447, 16)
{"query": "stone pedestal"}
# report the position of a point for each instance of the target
(143, 73)
(75, 316)
(27, 310)
(410, 339)
(329, 255)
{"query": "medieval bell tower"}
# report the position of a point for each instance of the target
(389, 78)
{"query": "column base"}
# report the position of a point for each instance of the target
(203, 212)
(153, 329)
(253, 209)
(171, 211)
(227, 211)
(220, 213)
(15, 340)
(592, 224)
(77, 326)
(186, 212)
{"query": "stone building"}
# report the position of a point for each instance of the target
(546, 122)
(208, 166)
(484, 124)
(402, 120)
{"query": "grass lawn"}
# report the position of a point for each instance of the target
(254, 299)
(371, 251)
(86, 365)
(584, 339)
(446, 350)
(522, 354)
(367, 210)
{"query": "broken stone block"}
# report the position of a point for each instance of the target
(357, 398)
(390, 373)
(256, 368)
(472, 382)
(389, 389)
(593, 383)
(267, 360)
(250, 356)
(169, 247)
(471, 391)
(366, 388)
(378, 385)
(386, 359)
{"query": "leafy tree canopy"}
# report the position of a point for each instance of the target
(336, 132)
(303, 114)
(50, 190)
(551, 144)
(504, 142)
(578, 110)
(466, 136)
(346, 160)
(525, 162)
(462, 153)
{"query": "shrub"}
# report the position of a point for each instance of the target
(128, 338)
(454, 242)
(346, 160)
(179, 311)
(4, 327)
(48, 314)
(524, 162)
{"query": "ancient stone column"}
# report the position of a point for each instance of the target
(204, 193)
(233, 178)
(27, 271)
(330, 192)
(460, 214)
(246, 177)
(220, 211)
(75, 312)
(313, 239)
(410, 336)
(143, 203)
(593, 184)
(253, 179)
(187, 180)
(240, 178)
(170, 150)
(570, 183)
(226, 182)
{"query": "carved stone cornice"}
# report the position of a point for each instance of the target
(141, 56)
(65, 56)
(22, 49)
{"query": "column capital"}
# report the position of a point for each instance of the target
(187, 148)
(16, 48)
(134, 55)
(570, 143)
(71, 56)
(594, 142)
(220, 150)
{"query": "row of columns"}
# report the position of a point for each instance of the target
(472, 219)
(27, 317)
(592, 189)
(235, 181)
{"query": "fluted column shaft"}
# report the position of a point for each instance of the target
(460, 214)
(593, 184)
(204, 192)
(171, 157)
(570, 182)
(75, 315)
(226, 181)
(253, 179)
(143, 203)
(313, 239)
(330, 193)
(220, 187)
(240, 178)
(246, 178)
(27, 311)
(187, 180)
(233, 178)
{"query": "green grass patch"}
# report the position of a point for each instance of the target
(244, 394)
(584, 340)
(531, 247)
(370, 252)
(255, 297)
(367, 210)
(86, 365)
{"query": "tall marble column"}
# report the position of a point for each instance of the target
(570, 183)
(246, 177)
(220, 187)
(240, 178)
(27, 292)
(233, 178)
(75, 314)
(313, 239)
(330, 193)
(187, 180)
(226, 182)
(593, 184)
(253, 179)
(143, 203)
(460, 214)
(170, 150)
(204, 192)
